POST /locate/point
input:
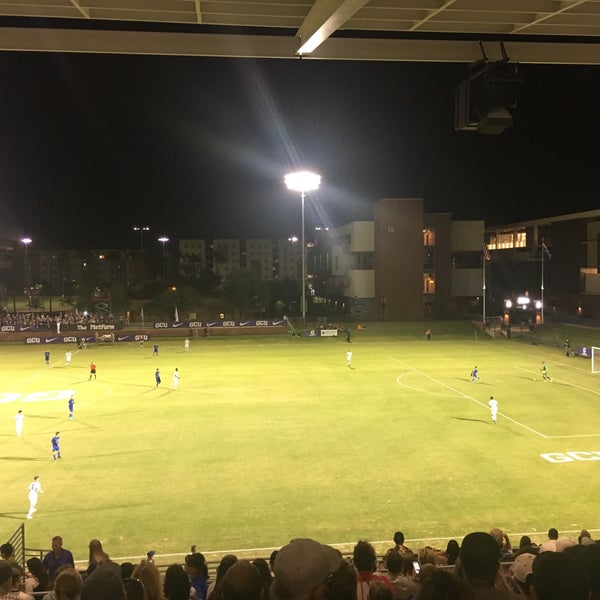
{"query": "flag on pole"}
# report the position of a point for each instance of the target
(142, 313)
(546, 251)
(486, 253)
(176, 316)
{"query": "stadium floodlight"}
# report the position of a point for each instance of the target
(163, 240)
(141, 229)
(303, 181)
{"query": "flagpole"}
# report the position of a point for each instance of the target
(542, 281)
(484, 261)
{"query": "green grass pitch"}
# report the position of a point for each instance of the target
(269, 438)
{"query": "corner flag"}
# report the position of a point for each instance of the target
(176, 316)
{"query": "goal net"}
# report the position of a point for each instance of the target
(595, 359)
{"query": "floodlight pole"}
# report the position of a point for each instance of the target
(303, 181)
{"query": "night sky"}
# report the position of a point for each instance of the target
(92, 145)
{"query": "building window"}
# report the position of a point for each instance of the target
(428, 283)
(429, 237)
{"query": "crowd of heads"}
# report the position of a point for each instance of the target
(484, 565)
(41, 321)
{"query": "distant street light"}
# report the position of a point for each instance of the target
(26, 241)
(163, 240)
(141, 229)
(303, 181)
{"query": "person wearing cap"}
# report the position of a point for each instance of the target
(365, 561)
(150, 556)
(302, 570)
(522, 574)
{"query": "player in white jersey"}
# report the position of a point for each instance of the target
(19, 418)
(176, 378)
(35, 488)
(493, 408)
(348, 358)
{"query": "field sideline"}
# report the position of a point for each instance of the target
(269, 438)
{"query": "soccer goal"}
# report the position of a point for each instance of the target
(595, 359)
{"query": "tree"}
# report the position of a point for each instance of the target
(241, 291)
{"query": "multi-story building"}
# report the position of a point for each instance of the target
(405, 264)
(553, 260)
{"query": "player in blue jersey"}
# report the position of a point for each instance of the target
(56, 445)
(157, 377)
(474, 374)
(47, 357)
(71, 406)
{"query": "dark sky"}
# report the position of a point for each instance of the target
(91, 145)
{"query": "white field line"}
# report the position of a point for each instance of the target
(462, 394)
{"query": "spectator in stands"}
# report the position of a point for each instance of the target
(404, 587)
(265, 574)
(342, 583)
(526, 546)
(559, 575)
(550, 545)
(104, 583)
(378, 590)
(242, 582)
(214, 588)
(96, 555)
(399, 546)
(195, 566)
(479, 563)
(38, 576)
(521, 579)
(7, 572)
(302, 570)
(7, 553)
(149, 575)
(365, 561)
(591, 564)
(68, 584)
(176, 585)
(16, 581)
(58, 557)
(431, 556)
(272, 560)
(585, 538)
(437, 584)
(126, 570)
(134, 589)
(563, 543)
(506, 553)
(452, 550)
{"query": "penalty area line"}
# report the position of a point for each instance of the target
(518, 423)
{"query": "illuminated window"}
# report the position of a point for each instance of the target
(428, 283)
(429, 237)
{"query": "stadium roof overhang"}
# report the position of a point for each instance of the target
(533, 31)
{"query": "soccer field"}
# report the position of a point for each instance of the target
(267, 439)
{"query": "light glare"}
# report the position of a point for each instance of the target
(302, 181)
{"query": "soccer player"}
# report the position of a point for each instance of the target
(19, 417)
(35, 488)
(56, 445)
(47, 357)
(176, 378)
(493, 408)
(474, 374)
(544, 370)
(186, 345)
(155, 351)
(68, 356)
(71, 407)
(157, 377)
(92, 370)
(348, 358)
